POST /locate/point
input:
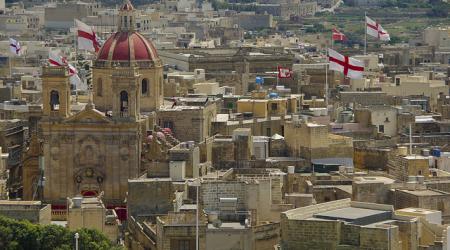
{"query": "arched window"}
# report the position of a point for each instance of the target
(144, 87)
(123, 104)
(125, 21)
(54, 100)
(99, 87)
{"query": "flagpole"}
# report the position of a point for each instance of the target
(10, 66)
(76, 40)
(326, 81)
(332, 42)
(278, 72)
(365, 33)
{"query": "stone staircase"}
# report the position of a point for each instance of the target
(169, 138)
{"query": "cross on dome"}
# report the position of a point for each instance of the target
(127, 17)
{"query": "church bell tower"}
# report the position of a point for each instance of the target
(56, 92)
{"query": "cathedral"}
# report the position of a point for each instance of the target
(99, 148)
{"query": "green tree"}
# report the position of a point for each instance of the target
(440, 10)
(23, 235)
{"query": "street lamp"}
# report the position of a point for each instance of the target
(77, 236)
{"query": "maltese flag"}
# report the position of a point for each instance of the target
(284, 72)
(87, 39)
(351, 67)
(14, 46)
(374, 29)
(338, 36)
(56, 60)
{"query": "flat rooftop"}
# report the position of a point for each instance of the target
(20, 203)
(374, 179)
(356, 215)
(227, 225)
(425, 192)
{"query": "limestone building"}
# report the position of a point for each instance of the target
(345, 224)
(99, 148)
(91, 213)
(33, 211)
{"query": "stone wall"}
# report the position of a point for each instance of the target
(211, 191)
(329, 193)
(350, 235)
(174, 227)
(373, 192)
(370, 158)
(149, 197)
(310, 234)
(364, 98)
(380, 238)
(223, 154)
(259, 126)
(136, 237)
(39, 214)
(190, 123)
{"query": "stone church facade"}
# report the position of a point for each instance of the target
(99, 148)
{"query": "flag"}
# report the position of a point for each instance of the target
(14, 46)
(87, 39)
(284, 72)
(374, 29)
(351, 67)
(56, 60)
(338, 36)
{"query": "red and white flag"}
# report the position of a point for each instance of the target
(374, 29)
(351, 67)
(56, 60)
(338, 36)
(284, 72)
(14, 47)
(87, 39)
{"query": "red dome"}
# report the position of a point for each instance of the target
(128, 46)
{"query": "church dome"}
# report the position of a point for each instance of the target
(127, 45)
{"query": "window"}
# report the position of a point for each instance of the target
(183, 245)
(54, 100)
(168, 124)
(123, 104)
(99, 87)
(144, 87)
(381, 128)
(274, 106)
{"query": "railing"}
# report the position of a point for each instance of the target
(13, 130)
(55, 71)
(59, 215)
